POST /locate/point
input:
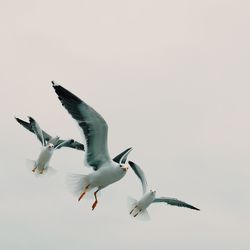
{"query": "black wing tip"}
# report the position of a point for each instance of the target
(19, 120)
(64, 94)
(54, 85)
(129, 149)
(31, 119)
(81, 147)
(131, 163)
(195, 208)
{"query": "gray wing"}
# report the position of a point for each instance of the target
(122, 157)
(54, 140)
(92, 124)
(70, 144)
(37, 130)
(24, 124)
(29, 127)
(138, 171)
(175, 202)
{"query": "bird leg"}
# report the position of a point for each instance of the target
(96, 201)
(133, 210)
(34, 169)
(137, 213)
(84, 192)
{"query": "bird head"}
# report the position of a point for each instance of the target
(124, 167)
(153, 192)
(50, 146)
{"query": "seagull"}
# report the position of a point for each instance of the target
(95, 130)
(140, 207)
(49, 144)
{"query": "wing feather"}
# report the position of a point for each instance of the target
(175, 202)
(122, 157)
(140, 174)
(92, 124)
(37, 130)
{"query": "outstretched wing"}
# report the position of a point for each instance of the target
(37, 130)
(175, 202)
(138, 171)
(29, 127)
(70, 144)
(54, 140)
(24, 124)
(92, 124)
(122, 157)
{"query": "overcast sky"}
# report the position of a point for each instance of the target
(172, 80)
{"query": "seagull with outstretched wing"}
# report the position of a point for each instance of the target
(95, 130)
(49, 144)
(139, 208)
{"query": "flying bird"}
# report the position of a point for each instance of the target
(95, 130)
(139, 208)
(49, 144)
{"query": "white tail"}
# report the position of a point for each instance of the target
(131, 203)
(50, 171)
(77, 183)
(143, 215)
(135, 212)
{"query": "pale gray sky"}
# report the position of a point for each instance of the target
(171, 78)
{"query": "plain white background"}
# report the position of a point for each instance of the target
(171, 78)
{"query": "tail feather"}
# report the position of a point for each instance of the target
(50, 171)
(131, 203)
(143, 216)
(134, 210)
(77, 183)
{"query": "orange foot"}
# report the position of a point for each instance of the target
(94, 205)
(81, 195)
(85, 191)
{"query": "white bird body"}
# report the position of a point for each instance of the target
(42, 163)
(145, 201)
(139, 207)
(105, 175)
